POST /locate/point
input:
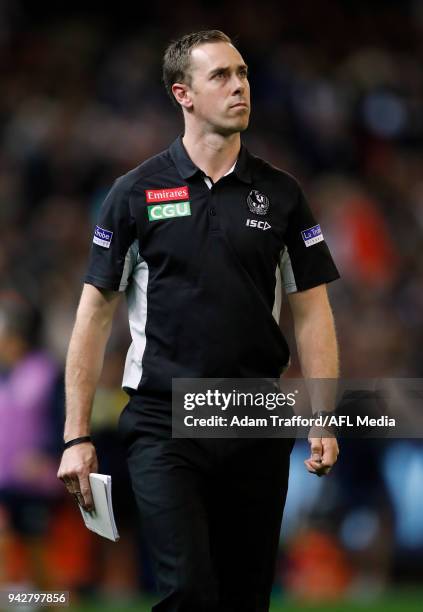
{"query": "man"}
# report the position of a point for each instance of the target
(194, 237)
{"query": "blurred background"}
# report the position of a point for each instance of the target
(337, 92)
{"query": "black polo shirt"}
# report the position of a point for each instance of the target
(202, 266)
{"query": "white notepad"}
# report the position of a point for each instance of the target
(101, 519)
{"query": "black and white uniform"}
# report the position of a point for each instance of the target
(202, 265)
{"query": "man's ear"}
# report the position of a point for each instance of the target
(182, 94)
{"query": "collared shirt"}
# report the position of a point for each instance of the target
(208, 180)
(202, 266)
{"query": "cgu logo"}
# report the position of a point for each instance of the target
(168, 211)
(263, 225)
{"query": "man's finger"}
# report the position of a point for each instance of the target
(81, 492)
(316, 449)
(330, 452)
(78, 498)
(312, 466)
(88, 503)
(71, 483)
(310, 469)
(317, 468)
(316, 445)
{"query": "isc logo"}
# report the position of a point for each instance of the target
(263, 225)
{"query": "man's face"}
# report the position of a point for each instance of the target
(219, 92)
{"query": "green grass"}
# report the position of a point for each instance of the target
(396, 601)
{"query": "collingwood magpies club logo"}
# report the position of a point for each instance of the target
(257, 202)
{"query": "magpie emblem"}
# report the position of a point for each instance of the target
(257, 202)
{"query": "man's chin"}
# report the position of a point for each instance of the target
(243, 126)
(234, 128)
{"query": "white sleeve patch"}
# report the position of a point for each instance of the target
(312, 235)
(102, 237)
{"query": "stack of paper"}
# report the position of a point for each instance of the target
(101, 519)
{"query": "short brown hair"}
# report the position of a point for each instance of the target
(176, 59)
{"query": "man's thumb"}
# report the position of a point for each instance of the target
(316, 449)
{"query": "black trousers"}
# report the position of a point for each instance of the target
(211, 511)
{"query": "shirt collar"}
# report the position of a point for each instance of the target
(188, 169)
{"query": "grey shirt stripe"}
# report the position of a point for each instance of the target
(288, 278)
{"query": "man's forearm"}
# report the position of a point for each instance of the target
(318, 354)
(317, 346)
(83, 367)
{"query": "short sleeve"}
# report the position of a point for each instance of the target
(306, 261)
(113, 253)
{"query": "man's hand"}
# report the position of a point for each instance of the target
(324, 453)
(76, 464)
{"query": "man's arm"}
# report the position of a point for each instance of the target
(83, 368)
(318, 354)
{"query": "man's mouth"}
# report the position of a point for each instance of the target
(239, 105)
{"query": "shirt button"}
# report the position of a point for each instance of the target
(212, 212)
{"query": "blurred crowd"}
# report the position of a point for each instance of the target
(339, 105)
(337, 94)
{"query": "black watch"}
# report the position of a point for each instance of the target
(80, 440)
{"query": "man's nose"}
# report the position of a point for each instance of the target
(238, 85)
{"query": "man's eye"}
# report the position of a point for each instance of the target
(219, 75)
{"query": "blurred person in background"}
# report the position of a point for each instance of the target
(211, 509)
(31, 419)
